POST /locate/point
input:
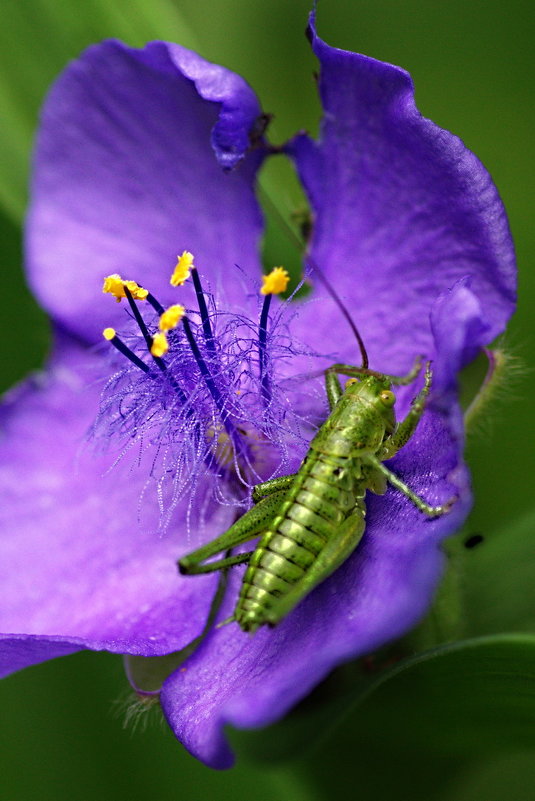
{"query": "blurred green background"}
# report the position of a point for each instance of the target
(61, 733)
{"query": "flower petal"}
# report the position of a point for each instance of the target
(403, 210)
(141, 154)
(80, 562)
(381, 591)
(20, 651)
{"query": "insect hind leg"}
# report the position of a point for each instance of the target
(272, 486)
(246, 528)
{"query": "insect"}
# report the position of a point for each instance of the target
(310, 522)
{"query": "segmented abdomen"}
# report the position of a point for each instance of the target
(325, 490)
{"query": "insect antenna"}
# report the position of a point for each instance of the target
(343, 308)
(301, 244)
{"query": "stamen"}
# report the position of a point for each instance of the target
(171, 317)
(156, 349)
(265, 383)
(210, 383)
(274, 283)
(114, 285)
(111, 336)
(182, 269)
(156, 305)
(139, 319)
(159, 345)
(203, 311)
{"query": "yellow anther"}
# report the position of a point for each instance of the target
(137, 292)
(275, 282)
(171, 317)
(114, 285)
(160, 345)
(108, 333)
(183, 269)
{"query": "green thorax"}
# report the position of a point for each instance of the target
(359, 421)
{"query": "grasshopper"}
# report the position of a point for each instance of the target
(310, 522)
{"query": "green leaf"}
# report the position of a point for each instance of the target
(30, 61)
(499, 577)
(75, 698)
(473, 696)
(458, 701)
(422, 724)
(25, 341)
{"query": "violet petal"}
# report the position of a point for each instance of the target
(403, 210)
(81, 563)
(128, 173)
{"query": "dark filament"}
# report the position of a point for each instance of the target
(156, 305)
(265, 385)
(209, 381)
(148, 340)
(203, 311)
(203, 367)
(143, 327)
(122, 348)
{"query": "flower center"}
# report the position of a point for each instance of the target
(198, 384)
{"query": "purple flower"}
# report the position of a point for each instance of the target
(140, 154)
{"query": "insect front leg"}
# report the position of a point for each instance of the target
(423, 506)
(406, 428)
(408, 378)
(246, 528)
(333, 388)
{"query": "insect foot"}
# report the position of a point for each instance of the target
(447, 507)
(438, 511)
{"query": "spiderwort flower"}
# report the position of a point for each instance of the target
(141, 152)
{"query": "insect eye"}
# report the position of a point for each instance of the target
(351, 381)
(387, 398)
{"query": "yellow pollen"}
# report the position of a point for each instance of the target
(108, 333)
(275, 282)
(114, 285)
(183, 269)
(171, 317)
(160, 345)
